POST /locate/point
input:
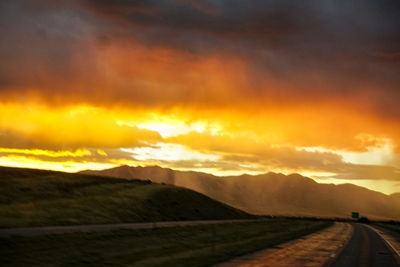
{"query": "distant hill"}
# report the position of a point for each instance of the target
(272, 193)
(37, 198)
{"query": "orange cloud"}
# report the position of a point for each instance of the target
(41, 127)
(48, 153)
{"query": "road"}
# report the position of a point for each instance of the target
(366, 248)
(47, 230)
(313, 250)
(342, 245)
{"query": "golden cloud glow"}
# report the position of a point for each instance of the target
(70, 127)
(171, 152)
(48, 153)
(67, 166)
(374, 155)
(223, 141)
(73, 138)
(102, 152)
(167, 127)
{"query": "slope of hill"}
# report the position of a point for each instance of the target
(272, 193)
(395, 197)
(36, 198)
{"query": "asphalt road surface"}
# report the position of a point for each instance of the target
(366, 248)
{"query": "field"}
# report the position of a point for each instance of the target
(178, 246)
(41, 198)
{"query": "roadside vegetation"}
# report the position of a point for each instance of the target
(201, 245)
(390, 225)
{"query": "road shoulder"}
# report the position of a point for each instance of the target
(316, 249)
(391, 238)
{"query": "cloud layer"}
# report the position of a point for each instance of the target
(286, 50)
(264, 78)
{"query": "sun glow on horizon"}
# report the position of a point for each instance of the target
(65, 166)
(383, 186)
(379, 154)
(48, 153)
(77, 137)
(169, 152)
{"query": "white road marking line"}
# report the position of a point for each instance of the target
(387, 241)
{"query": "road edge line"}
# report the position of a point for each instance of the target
(392, 248)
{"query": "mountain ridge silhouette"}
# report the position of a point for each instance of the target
(272, 193)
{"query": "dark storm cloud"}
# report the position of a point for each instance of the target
(232, 21)
(38, 38)
(324, 49)
(309, 30)
(340, 48)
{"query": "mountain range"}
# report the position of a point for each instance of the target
(272, 193)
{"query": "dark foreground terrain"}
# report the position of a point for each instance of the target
(36, 198)
(201, 245)
(42, 198)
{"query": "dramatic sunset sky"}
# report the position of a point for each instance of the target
(221, 86)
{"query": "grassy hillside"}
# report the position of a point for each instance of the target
(37, 198)
(273, 193)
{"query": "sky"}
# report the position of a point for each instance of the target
(221, 86)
